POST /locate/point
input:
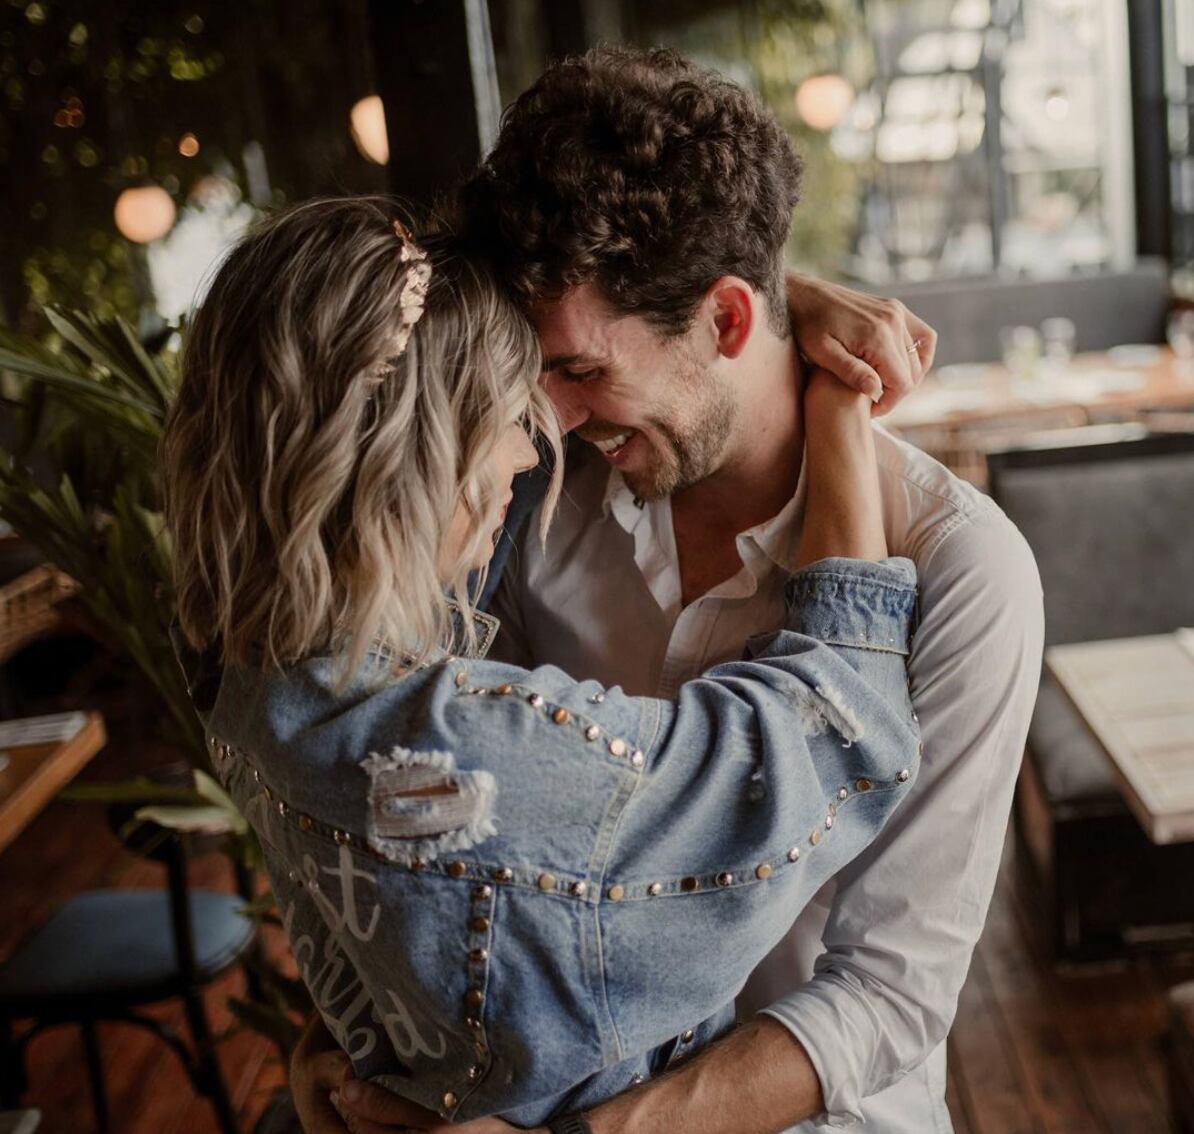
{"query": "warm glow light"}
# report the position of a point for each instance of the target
(823, 100)
(188, 145)
(144, 214)
(368, 118)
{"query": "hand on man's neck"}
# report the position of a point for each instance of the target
(758, 476)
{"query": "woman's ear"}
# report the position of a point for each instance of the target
(732, 305)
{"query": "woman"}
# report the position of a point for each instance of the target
(507, 891)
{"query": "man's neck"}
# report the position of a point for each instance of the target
(754, 482)
(760, 471)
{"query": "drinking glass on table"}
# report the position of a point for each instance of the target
(1020, 349)
(1180, 333)
(1061, 337)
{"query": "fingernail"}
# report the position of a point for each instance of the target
(876, 395)
(352, 1092)
(335, 1097)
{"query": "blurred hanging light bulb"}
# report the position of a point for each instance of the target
(368, 121)
(823, 100)
(144, 214)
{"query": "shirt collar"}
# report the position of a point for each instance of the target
(772, 542)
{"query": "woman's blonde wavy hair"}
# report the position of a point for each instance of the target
(309, 486)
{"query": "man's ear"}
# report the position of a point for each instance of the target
(731, 303)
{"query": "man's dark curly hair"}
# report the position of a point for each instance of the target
(643, 173)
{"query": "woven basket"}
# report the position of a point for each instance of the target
(28, 607)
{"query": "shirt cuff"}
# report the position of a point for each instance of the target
(855, 602)
(817, 1027)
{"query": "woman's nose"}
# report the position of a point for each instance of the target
(527, 456)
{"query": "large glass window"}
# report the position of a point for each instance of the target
(941, 137)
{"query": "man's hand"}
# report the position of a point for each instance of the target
(317, 1066)
(876, 346)
(374, 1110)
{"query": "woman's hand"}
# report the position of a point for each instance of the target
(843, 513)
(317, 1066)
(865, 340)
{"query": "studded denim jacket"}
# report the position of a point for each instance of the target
(511, 892)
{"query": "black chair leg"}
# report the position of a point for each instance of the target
(209, 1065)
(12, 1068)
(95, 1072)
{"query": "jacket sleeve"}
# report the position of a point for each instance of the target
(758, 753)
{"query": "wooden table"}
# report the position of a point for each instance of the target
(1137, 696)
(35, 773)
(1097, 384)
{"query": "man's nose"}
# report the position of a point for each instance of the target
(568, 400)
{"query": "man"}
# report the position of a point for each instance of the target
(640, 206)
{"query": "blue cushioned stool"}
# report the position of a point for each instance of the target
(107, 952)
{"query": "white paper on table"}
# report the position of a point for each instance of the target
(54, 728)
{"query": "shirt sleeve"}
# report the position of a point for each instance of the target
(908, 912)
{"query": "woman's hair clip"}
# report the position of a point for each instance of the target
(411, 299)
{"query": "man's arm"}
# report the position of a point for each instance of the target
(909, 910)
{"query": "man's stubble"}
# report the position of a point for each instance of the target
(696, 431)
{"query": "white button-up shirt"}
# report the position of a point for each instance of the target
(869, 976)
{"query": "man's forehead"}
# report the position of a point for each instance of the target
(581, 327)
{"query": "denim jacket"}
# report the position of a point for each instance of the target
(512, 892)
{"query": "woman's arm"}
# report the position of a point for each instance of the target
(843, 515)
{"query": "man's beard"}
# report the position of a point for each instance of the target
(695, 435)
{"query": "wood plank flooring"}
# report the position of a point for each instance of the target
(1032, 1051)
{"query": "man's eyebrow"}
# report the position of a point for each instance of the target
(556, 361)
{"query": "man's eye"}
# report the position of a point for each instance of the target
(580, 375)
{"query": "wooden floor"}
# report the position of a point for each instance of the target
(1032, 1052)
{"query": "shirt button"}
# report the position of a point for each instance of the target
(794, 854)
(689, 885)
(655, 889)
(547, 881)
(725, 878)
(457, 869)
(449, 1100)
(480, 925)
(503, 874)
(904, 775)
(616, 893)
(592, 732)
(561, 716)
(617, 747)
(474, 998)
(863, 785)
(461, 678)
(578, 889)
(688, 1036)
(482, 892)
(763, 871)
(815, 838)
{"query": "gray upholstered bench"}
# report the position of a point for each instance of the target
(1112, 529)
(1181, 1056)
